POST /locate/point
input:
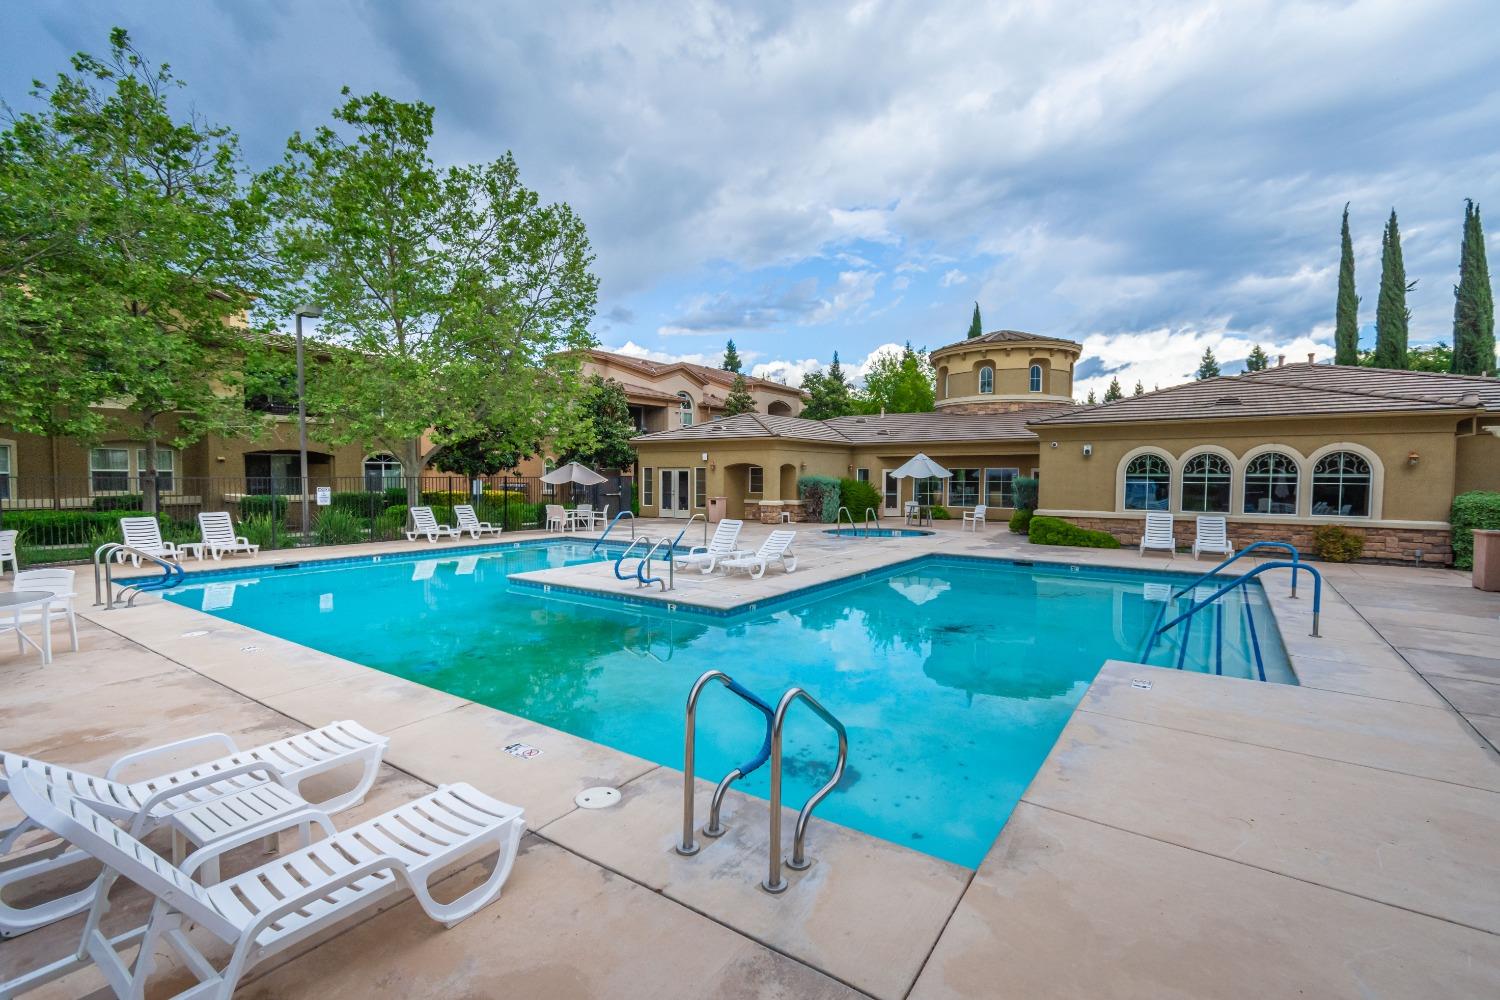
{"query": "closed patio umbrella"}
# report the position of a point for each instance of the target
(921, 467)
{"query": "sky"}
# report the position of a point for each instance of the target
(1147, 178)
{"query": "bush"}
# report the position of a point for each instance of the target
(940, 513)
(72, 527)
(824, 492)
(1336, 544)
(263, 530)
(360, 503)
(859, 496)
(1056, 531)
(1020, 521)
(1025, 490)
(1472, 510)
(519, 515)
(392, 521)
(124, 501)
(339, 527)
(262, 505)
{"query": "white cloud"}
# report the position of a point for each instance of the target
(953, 277)
(1165, 357)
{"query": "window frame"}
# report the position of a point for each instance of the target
(1006, 491)
(648, 482)
(385, 461)
(170, 454)
(8, 474)
(930, 487)
(685, 409)
(700, 487)
(1343, 481)
(1152, 480)
(1202, 481)
(974, 478)
(1272, 480)
(986, 373)
(753, 473)
(863, 475)
(1034, 377)
(95, 471)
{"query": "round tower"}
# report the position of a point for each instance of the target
(1004, 371)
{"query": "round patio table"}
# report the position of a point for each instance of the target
(16, 601)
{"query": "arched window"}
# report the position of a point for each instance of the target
(1205, 484)
(987, 379)
(1148, 483)
(1271, 484)
(1341, 485)
(685, 409)
(548, 465)
(382, 472)
(1036, 378)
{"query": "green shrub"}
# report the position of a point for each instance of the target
(1020, 521)
(1025, 490)
(520, 515)
(859, 496)
(1056, 531)
(358, 502)
(1472, 510)
(395, 495)
(262, 505)
(1337, 544)
(824, 492)
(264, 531)
(72, 527)
(124, 501)
(391, 522)
(339, 527)
(940, 513)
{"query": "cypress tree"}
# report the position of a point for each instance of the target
(1259, 362)
(1092, 400)
(731, 362)
(1114, 391)
(1208, 367)
(1392, 318)
(1474, 303)
(976, 328)
(1346, 314)
(1140, 388)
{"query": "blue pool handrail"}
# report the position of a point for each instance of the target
(688, 847)
(614, 521)
(1244, 578)
(621, 557)
(1253, 546)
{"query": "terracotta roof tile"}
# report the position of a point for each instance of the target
(1007, 337)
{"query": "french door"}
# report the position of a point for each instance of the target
(890, 493)
(676, 493)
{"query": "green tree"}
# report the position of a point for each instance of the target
(604, 440)
(1474, 303)
(130, 252)
(1113, 391)
(1432, 358)
(1346, 311)
(976, 328)
(829, 393)
(1092, 400)
(899, 383)
(739, 400)
(1392, 318)
(1208, 366)
(1259, 362)
(731, 362)
(1140, 389)
(482, 456)
(453, 298)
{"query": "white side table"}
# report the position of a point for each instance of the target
(17, 601)
(218, 819)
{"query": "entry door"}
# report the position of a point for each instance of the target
(676, 496)
(891, 491)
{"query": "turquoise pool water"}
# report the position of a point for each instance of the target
(854, 533)
(954, 677)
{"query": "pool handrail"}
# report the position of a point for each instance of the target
(614, 521)
(1245, 578)
(865, 521)
(838, 522)
(688, 847)
(1288, 546)
(621, 557)
(643, 568)
(774, 883)
(104, 556)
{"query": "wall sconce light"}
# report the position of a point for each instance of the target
(1088, 450)
(1412, 458)
(705, 456)
(804, 466)
(712, 467)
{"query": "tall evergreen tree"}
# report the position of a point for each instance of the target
(1346, 312)
(1140, 389)
(1208, 367)
(1474, 303)
(829, 394)
(1092, 400)
(739, 400)
(1259, 362)
(731, 362)
(1392, 318)
(1113, 392)
(976, 328)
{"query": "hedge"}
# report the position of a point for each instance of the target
(262, 505)
(1020, 521)
(1056, 531)
(824, 492)
(1472, 510)
(63, 527)
(859, 496)
(1336, 544)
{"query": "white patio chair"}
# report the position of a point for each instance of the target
(144, 534)
(773, 549)
(974, 518)
(1158, 534)
(280, 904)
(463, 513)
(1212, 536)
(58, 583)
(217, 528)
(600, 518)
(423, 523)
(288, 762)
(721, 545)
(8, 551)
(912, 511)
(583, 515)
(557, 517)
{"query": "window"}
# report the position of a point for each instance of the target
(382, 472)
(1205, 484)
(999, 487)
(685, 409)
(1271, 484)
(166, 466)
(928, 492)
(863, 475)
(757, 479)
(7, 470)
(963, 488)
(700, 487)
(1341, 485)
(109, 470)
(548, 465)
(648, 499)
(1036, 378)
(1148, 483)
(986, 379)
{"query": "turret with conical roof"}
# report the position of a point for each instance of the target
(1003, 371)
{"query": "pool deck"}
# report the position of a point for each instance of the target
(1203, 837)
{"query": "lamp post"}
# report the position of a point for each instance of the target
(312, 312)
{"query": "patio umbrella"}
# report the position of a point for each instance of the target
(921, 467)
(574, 473)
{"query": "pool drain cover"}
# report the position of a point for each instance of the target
(599, 797)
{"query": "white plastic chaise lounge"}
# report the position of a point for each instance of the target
(464, 514)
(1212, 536)
(288, 762)
(144, 534)
(266, 910)
(1158, 534)
(217, 528)
(424, 524)
(974, 518)
(721, 545)
(773, 549)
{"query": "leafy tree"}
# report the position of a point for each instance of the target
(1474, 303)
(1140, 389)
(1432, 358)
(829, 393)
(482, 456)
(1392, 318)
(1092, 400)
(739, 400)
(1259, 362)
(1346, 312)
(899, 383)
(731, 362)
(976, 328)
(130, 253)
(1113, 391)
(453, 298)
(1208, 367)
(607, 428)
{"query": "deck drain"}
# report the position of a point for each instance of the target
(598, 797)
(196, 633)
(249, 649)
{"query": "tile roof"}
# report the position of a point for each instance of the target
(703, 373)
(646, 392)
(751, 425)
(896, 428)
(1007, 337)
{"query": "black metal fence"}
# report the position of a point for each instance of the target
(61, 520)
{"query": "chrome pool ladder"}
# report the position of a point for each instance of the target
(104, 579)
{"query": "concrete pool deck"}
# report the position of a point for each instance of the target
(1203, 837)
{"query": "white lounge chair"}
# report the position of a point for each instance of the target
(58, 583)
(423, 523)
(144, 534)
(974, 518)
(217, 528)
(721, 545)
(280, 904)
(1212, 536)
(557, 517)
(773, 549)
(463, 513)
(288, 762)
(1158, 534)
(8, 551)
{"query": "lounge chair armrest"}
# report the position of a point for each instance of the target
(267, 773)
(324, 890)
(697, 549)
(242, 540)
(222, 740)
(254, 832)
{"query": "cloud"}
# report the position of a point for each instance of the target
(953, 277)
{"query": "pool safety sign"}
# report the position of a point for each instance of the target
(525, 751)
(325, 496)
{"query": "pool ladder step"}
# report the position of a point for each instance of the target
(770, 749)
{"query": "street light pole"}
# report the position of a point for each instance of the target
(312, 312)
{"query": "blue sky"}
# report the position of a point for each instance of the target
(1146, 178)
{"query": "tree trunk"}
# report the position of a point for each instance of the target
(149, 499)
(411, 468)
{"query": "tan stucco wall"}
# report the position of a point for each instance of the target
(1479, 460)
(957, 369)
(726, 464)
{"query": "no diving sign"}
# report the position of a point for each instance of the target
(525, 751)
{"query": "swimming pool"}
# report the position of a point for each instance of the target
(953, 675)
(850, 533)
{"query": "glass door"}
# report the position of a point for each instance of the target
(676, 496)
(891, 491)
